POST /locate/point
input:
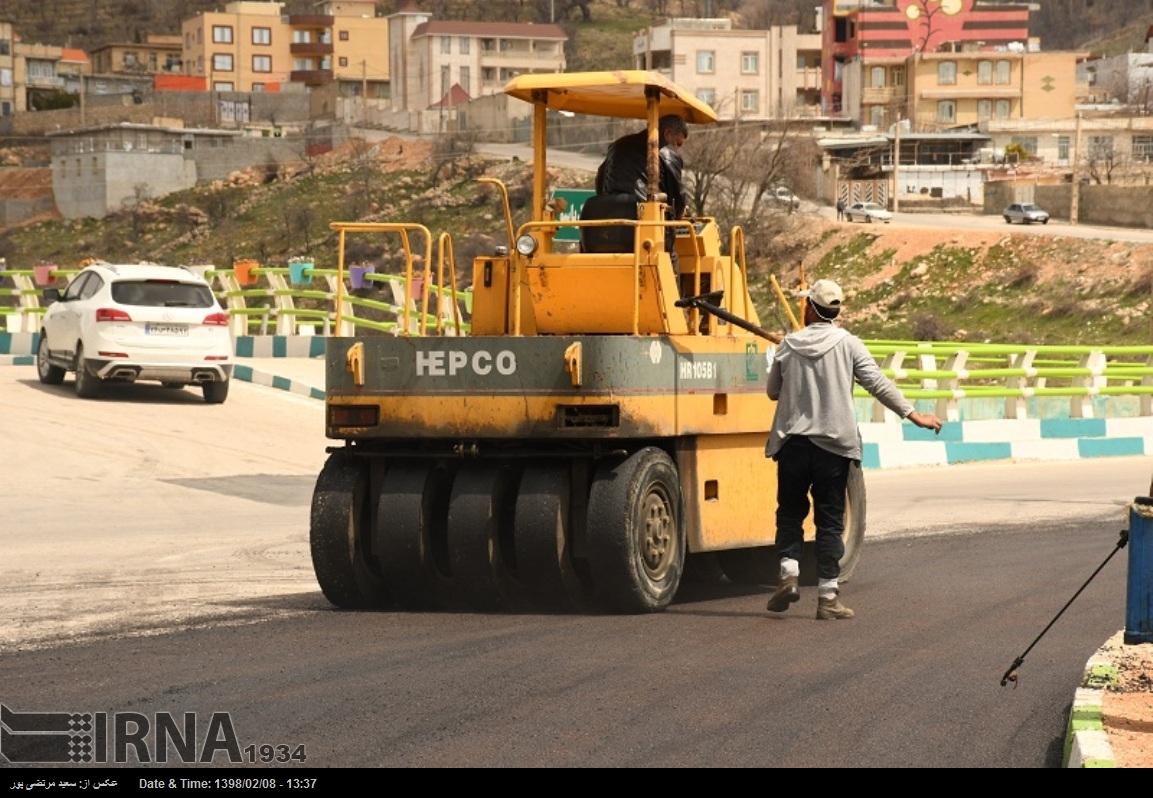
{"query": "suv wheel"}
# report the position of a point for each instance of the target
(87, 383)
(48, 374)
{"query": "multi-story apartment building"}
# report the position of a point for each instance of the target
(743, 74)
(157, 55)
(255, 46)
(36, 74)
(429, 57)
(961, 89)
(867, 44)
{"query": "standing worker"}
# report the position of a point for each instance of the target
(840, 209)
(815, 440)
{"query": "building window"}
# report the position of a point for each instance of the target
(1004, 73)
(1142, 148)
(445, 45)
(1063, 148)
(876, 115)
(262, 35)
(877, 77)
(343, 36)
(984, 72)
(5, 108)
(261, 63)
(708, 97)
(750, 63)
(462, 44)
(1026, 143)
(258, 88)
(342, 61)
(984, 110)
(1003, 109)
(302, 37)
(222, 85)
(897, 76)
(947, 73)
(947, 111)
(222, 34)
(706, 61)
(466, 79)
(1100, 148)
(222, 62)
(751, 101)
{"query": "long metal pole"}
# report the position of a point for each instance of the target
(1075, 198)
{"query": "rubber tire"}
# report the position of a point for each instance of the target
(853, 536)
(87, 384)
(1008, 220)
(543, 539)
(216, 392)
(479, 508)
(869, 219)
(340, 517)
(636, 533)
(1045, 222)
(48, 373)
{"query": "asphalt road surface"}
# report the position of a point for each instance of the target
(154, 560)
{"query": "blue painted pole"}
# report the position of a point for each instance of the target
(1139, 597)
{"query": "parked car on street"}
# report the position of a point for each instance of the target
(786, 198)
(1025, 213)
(131, 322)
(868, 211)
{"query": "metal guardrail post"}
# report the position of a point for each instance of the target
(1139, 593)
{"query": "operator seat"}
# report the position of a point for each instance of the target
(614, 238)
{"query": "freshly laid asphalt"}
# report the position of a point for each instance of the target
(1087, 740)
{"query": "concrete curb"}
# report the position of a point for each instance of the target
(258, 377)
(1086, 742)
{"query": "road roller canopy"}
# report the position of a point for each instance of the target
(618, 94)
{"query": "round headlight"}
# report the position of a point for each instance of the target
(526, 245)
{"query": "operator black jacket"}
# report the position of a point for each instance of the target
(625, 171)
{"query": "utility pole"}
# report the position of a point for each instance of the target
(897, 165)
(1075, 196)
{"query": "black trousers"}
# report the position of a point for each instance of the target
(805, 469)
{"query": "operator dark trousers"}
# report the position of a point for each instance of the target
(804, 468)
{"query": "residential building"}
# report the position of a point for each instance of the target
(867, 44)
(157, 55)
(430, 57)
(36, 80)
(254, 46)
(743, 74)
(1127, 78)
(960, 89)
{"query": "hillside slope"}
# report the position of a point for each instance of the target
(902, 282)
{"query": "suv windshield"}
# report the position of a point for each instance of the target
(162, 293)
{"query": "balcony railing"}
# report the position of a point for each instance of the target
(311, 77)
(310, 48)
(311, 20)
(35, 82)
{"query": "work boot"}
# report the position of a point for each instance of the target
(786, 593)
(831, 609)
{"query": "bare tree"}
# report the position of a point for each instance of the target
(136, 207)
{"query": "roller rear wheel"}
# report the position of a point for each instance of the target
(337, 536)
(543, 532)
(636, 533)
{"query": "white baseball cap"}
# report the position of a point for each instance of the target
(825, 293)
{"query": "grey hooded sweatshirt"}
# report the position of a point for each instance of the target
(811, 379)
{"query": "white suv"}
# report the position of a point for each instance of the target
(136, 322)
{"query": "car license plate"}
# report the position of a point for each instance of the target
(165, 329)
